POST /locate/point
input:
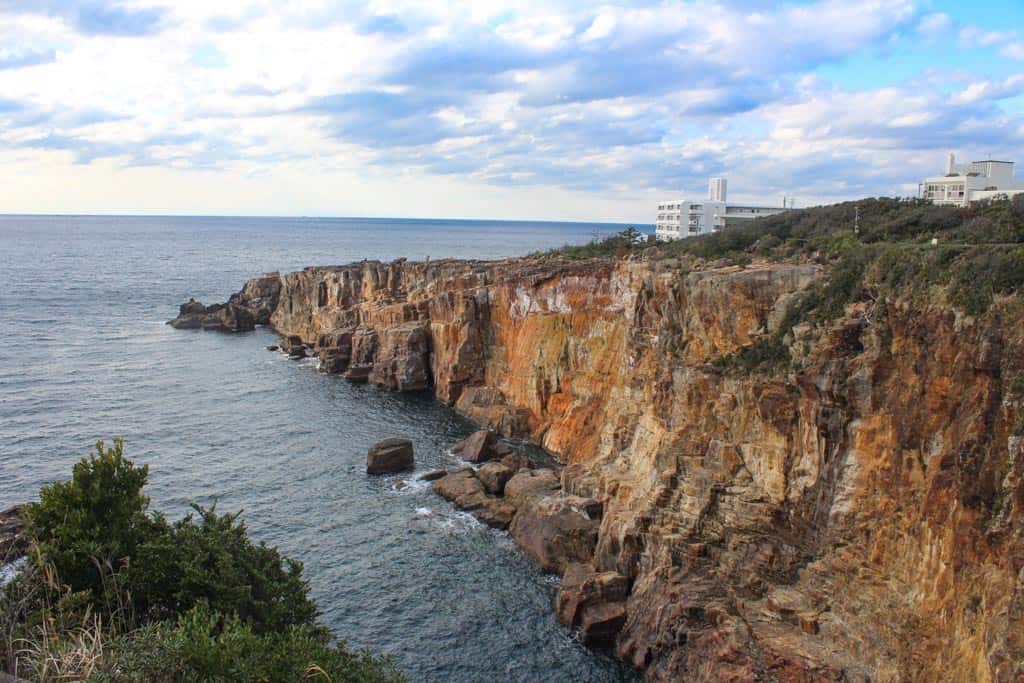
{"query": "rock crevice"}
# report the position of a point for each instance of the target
(858, 516)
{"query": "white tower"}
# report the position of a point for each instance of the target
(950, 162)
(716, 189)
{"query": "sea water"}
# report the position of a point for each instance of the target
(218, 418)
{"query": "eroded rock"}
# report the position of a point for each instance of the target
(494, 476)
(480, 446)
(390, 456)
(527, 485)
(553, 532)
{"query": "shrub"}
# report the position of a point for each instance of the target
(205, 645)
(113, 592)
(214, 561)
(96, 521)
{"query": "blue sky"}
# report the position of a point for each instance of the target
(528, 109)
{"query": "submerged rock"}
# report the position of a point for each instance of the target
(389, 456)
(433, 475)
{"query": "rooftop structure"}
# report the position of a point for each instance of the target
(679, 218)
(966, 183)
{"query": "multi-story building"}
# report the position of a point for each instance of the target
(678, 218)
(966, 183)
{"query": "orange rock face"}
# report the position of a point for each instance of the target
(856, 518)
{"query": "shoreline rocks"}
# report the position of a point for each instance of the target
(13, 543)
(390, 456)
(244, 310)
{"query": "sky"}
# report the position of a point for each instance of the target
(539, 109)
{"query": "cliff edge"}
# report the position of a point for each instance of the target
(855, 514)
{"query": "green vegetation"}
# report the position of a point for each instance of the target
(875, 250)
(113, 592)
(618, 245)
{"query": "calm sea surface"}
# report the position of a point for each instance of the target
(83, 302)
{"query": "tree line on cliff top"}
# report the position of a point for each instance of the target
(874, 248)
(112, 591)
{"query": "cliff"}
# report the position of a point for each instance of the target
(856, 516)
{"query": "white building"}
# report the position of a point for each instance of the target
(966, 183)
(678, 218)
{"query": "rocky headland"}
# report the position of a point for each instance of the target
(855, 515)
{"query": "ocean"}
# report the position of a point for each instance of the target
(220, 419)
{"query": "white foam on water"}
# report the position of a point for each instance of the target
(457, 522)
(9, 571)
(424, 512)
(413, 485)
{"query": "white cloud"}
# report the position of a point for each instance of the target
(598, 105)
(1013, 50)
(990, 90)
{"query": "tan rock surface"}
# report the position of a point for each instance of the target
(859, 517)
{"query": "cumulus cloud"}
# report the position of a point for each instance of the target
(991, 90)
(586, 96)
(95, 17)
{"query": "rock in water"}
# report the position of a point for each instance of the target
(252, 306)
(478, 447)
(433, 475)
(390, 455)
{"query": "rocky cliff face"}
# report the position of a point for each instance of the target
(857, 518)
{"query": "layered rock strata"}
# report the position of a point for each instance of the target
(858, 517)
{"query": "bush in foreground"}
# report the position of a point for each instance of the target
(113, 592)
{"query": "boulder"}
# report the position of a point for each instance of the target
(516, 461)
(496, 514)
(462, 488)
(553, 532)
(477, 447)
(433, 475)
(494, 476)
(389, 455)
(272, 347)
(531, 484)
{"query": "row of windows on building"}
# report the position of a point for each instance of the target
(944, 190)
(674, 207)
